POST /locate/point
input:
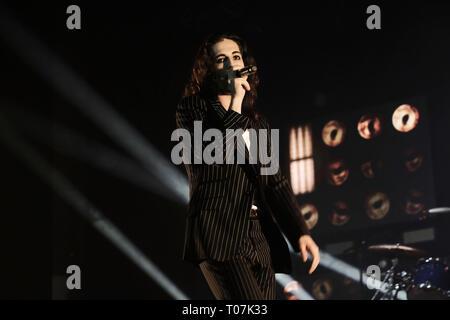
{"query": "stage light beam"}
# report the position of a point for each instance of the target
(69, 193)
(96, 108)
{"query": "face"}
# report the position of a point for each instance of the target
(227, 54)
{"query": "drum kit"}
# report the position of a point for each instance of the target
(429, 279)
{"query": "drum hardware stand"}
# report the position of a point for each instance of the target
(389, 277)
(362, 245)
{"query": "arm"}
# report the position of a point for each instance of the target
(285, 207)
(188, 110)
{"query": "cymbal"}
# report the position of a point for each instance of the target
(397, 250)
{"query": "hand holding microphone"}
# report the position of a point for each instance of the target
(240, 73)
(235, 83)
(232, 80)
(238, 86)
(227, 75)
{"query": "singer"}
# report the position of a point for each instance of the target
(235, 214)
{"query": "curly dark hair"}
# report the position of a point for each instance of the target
(201, 83)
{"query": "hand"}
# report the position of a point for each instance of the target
(236, 86)
(306, 243)
(239, 87)
(238, 92)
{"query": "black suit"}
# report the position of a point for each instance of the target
(221, 195)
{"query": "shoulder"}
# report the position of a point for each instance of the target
(192, 102)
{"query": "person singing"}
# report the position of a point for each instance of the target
(236, 216)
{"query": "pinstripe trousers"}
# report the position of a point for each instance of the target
(249, 275)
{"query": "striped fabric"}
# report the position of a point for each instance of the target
(247, 276)
(221, 194)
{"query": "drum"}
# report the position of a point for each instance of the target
(431, 280)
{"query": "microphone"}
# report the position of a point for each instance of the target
(229, 74)
(224, 76)
(245, 71)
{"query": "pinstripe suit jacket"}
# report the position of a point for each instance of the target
(221, 194)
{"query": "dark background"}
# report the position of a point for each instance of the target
(391, 178)
(313, 60)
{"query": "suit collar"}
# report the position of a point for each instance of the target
(221, 112)
(217, 106)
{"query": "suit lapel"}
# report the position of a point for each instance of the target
(250, 169)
